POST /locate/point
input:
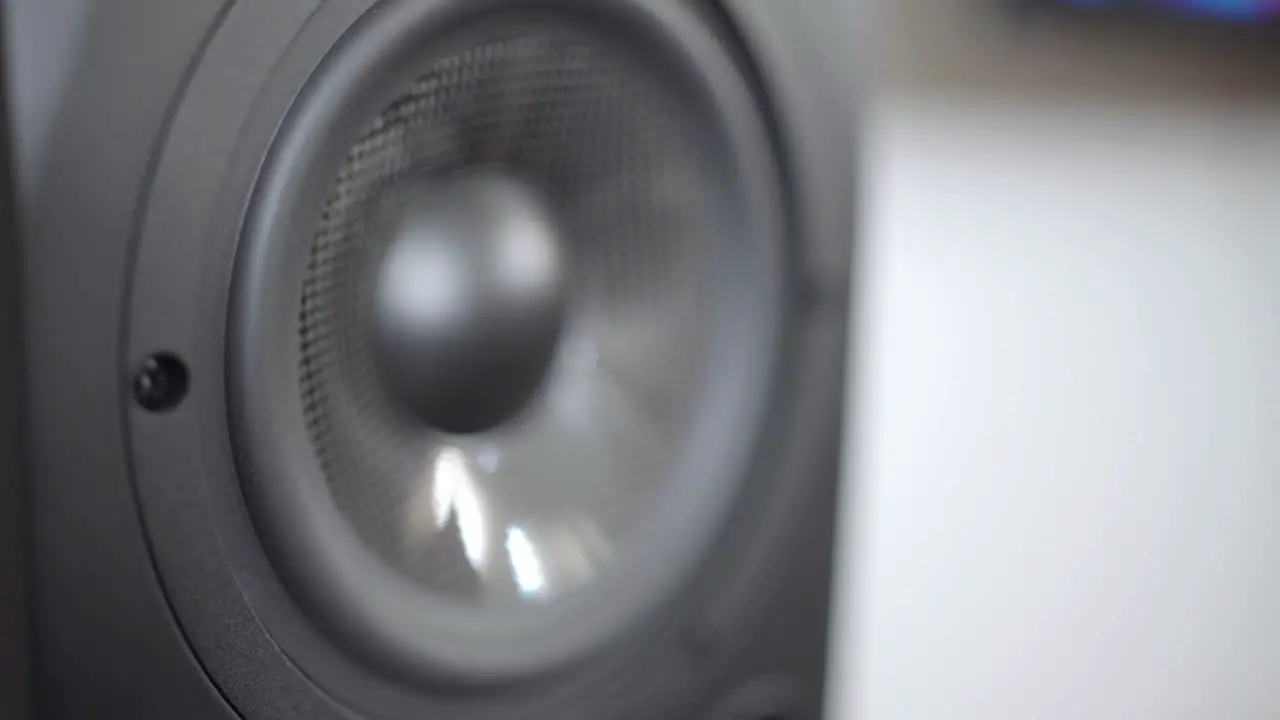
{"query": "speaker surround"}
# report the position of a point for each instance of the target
(241, 561)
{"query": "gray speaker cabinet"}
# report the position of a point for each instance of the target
(132, 570)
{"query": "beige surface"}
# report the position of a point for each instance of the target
(1067, 499)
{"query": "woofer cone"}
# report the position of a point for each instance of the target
(504, 547)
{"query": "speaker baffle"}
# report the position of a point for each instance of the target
(330, 622)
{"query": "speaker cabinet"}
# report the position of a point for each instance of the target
(420, 359)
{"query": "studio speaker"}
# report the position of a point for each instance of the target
(427, 359)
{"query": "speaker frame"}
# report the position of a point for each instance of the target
(76, 316)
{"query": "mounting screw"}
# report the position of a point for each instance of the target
(161, 383)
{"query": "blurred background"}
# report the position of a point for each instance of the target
(1066, 496)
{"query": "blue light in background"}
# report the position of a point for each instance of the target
(1232, 10)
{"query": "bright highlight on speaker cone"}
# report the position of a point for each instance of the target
(451, 500)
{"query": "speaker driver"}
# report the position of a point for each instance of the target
(533, 318)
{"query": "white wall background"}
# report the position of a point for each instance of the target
(1066, 486)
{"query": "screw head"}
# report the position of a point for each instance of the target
(161, 383)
